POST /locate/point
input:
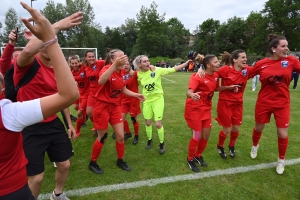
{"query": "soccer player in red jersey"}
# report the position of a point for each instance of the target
(107, 108)
(230, 103)
(92, 69)
(13, 176)
(129, 104)
(82, 80)
(274, 96)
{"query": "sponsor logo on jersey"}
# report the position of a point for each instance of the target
(284, 63)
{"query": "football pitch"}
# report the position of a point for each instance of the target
(168, 176)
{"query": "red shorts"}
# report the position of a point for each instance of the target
(281, 115)
(104, 113)
(82, 104)
(198, 125)
(90, 101)
(229, 113)
(133, 107)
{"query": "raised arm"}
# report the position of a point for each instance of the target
(34, 45)
(5, 60)
(183, 65)
(66, 85)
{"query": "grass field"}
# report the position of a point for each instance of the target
(149, 164)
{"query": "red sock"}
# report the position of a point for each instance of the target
(84, 116)
(97, 147)
(233, 137)
(120, 147)
(256, 137)
(136, 127)
(222, 138)
(201, 147)
(91, 118)
(79, 123)
(126, 127)
(282, 146)
(192, 148)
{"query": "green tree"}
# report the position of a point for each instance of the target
(284, 18)
(152, 39)
(114, 39)
(129, 32)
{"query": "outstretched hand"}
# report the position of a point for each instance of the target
(42, 29)
(121, 61)
(70, 21)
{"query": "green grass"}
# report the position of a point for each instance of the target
(148, 164)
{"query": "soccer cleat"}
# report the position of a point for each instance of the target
(253, 152)
(113, 136)
(200, 161)
(221, 152)
(83, 125)
(162, 148)
(95, 168)
(192, 165)
(135, 140)
(149, 144)
(280, 166)
(231, 152)
(62, 196)
(73, 118)
(127, 135)
(123, 165)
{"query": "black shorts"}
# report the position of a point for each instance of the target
(22, 193)
(47, 137)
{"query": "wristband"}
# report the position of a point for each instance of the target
(49, 42)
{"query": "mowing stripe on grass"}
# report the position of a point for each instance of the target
(171, 179)
(168, 80)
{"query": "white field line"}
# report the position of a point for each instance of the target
(169, 80)
(171, 179)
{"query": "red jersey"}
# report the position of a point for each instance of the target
(41, 85)
(92, 72)
(206, 85)
(82, 82)
(275, 77)
(132, 85)
(110, 91)
(13, 175)
(230, 76)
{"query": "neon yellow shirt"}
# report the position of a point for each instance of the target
(151, 82)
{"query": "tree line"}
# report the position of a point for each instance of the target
(151, 34)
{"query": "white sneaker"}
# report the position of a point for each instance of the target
(54, 164)
(280, 166)
(253, 152)
(253, 89)
(60, 197)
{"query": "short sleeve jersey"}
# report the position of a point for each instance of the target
(275, 77)
(92, 72)
(110, 91)
(230, 76)
(151, 82)
(42, 84)
(206, 87)
(82, 82)
(131, 84)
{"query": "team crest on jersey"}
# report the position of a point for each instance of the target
(152, 74)
(82, 74)
(126, 77)
(94, 67)
(244, 72)
(216, 79)
(284, 63)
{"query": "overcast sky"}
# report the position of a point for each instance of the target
(191, 13)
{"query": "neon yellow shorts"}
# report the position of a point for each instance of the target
(155, 108)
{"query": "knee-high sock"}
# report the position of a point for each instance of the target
(222, 138)
(120, 147)
(192, 148)
(201, 147)
(79, 123)
(126, 127)
(256, 137)
(97, 147)
(161, 134)
(149, 132)
(136, 127)
(282, 147)
(233, 137)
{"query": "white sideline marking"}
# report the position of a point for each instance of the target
(168, 80)
(171, 179)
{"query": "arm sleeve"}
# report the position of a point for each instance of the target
(5, 60)
(16, 116)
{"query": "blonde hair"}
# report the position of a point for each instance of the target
(111, 55)
(137, 61)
